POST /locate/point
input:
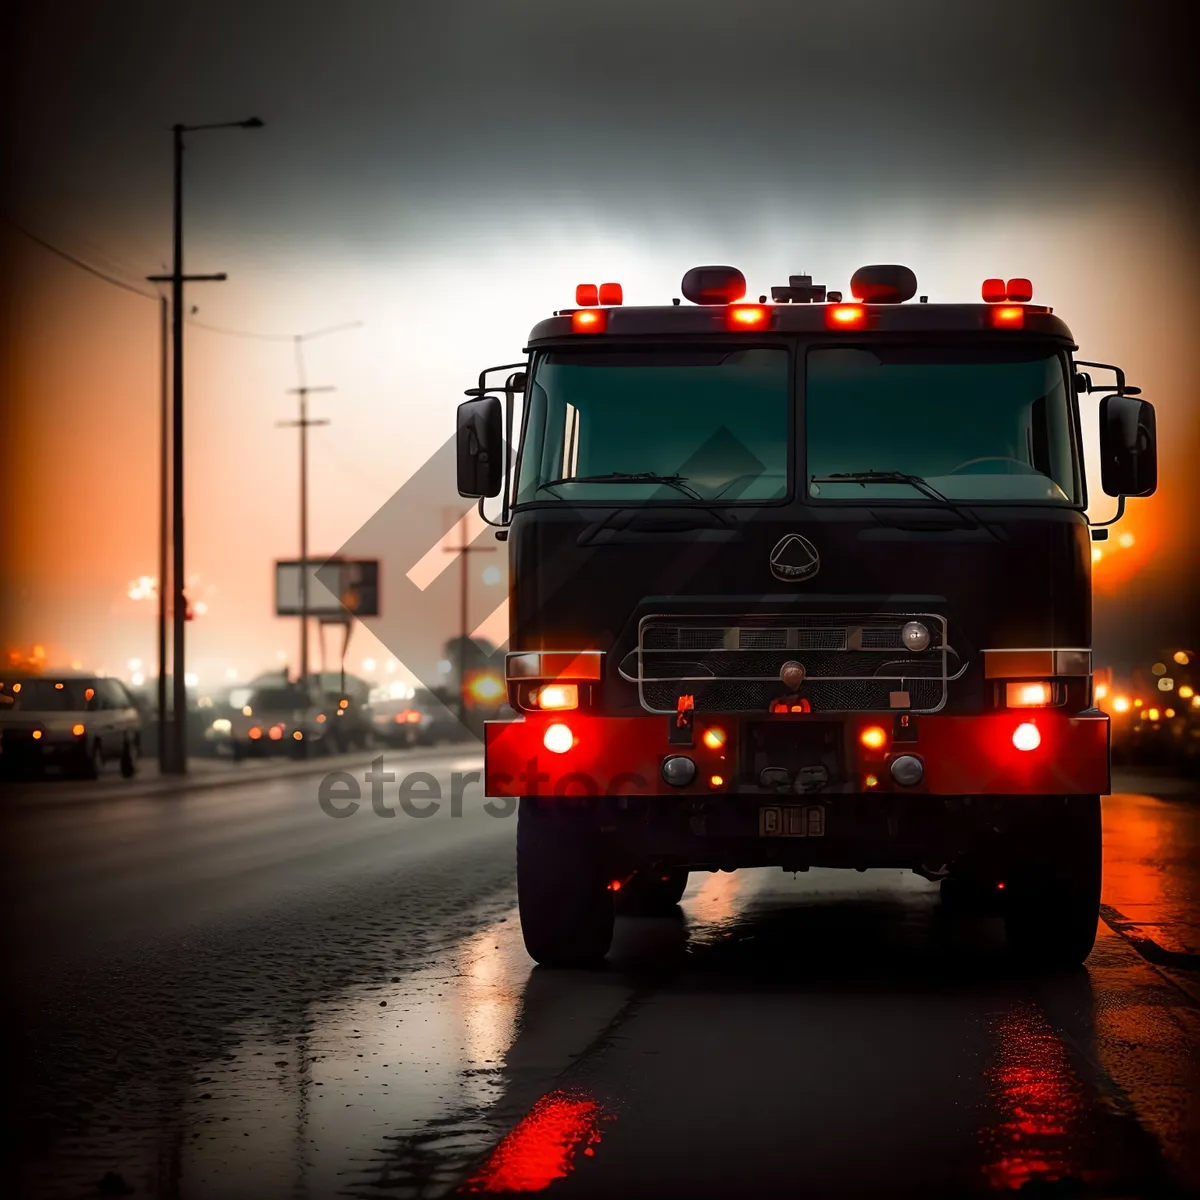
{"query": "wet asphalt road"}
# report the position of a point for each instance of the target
(228, 993)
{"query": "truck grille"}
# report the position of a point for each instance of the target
(853, 662)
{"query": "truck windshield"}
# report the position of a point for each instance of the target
(683, 425)
(975, 424)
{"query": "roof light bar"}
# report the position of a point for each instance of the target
(994, 291)
(611, 293)
(586, 295)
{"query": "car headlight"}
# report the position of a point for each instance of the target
(222, 725)
(915, 636)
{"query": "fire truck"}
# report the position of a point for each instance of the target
(801, 583)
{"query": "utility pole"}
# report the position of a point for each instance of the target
(303, 425)
(177, 760)
(466, 550)
(163, 536)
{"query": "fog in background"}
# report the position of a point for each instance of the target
(447, 172)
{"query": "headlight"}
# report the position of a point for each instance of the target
(1028, 695)
(915, 636)
(222, 725)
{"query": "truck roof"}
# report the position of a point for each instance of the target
(837, 320)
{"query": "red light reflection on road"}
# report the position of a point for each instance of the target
(541, 1148)
(1038, 1101)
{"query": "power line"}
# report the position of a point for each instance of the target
(78, 262)
(242, 333)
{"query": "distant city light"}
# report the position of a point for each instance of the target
(491, 575)
(1169, 713)
(137, 679)
(1097, 554)
(76, 665)
(1166, 684)
(1186, 692)
(1159, 669)
(368, 664)
(199, 608)
(281, 655)
(231, 673)
(1126, 540)
(390, 666)
(1101, 690)
(1152, 713)
(144, 587)
(1196, 701)
(1121, 704)
(135, 664)
(1181, 657)
(1137, 703)
(190, 680)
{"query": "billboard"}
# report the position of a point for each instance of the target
(337, 587)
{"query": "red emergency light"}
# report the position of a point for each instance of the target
(611, 293)
(586, 295)
(1015, 291)
(1019, 291)
(994, 291)
(589, 320)
(747, 316)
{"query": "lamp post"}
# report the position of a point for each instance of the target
(176, 762)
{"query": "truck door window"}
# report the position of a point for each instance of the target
(977, 423)
(716, 418)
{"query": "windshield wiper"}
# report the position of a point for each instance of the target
(918, 482)
(678, 482)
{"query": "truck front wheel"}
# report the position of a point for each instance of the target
(562, 893)
(1052, 893)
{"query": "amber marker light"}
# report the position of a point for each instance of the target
(589, 320)
(747, 316)
(77, 730)
(846, 316)
(873, 737)
(717, 781)
(714, 738)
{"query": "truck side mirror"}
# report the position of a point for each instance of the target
(1128, 446)
(480, 447)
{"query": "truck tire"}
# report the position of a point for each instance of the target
(562, 893)
(652, 893)
(1052, 894)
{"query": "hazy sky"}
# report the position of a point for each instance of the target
(446, 173)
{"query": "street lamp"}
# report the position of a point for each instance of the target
(176, 762)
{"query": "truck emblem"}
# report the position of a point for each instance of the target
(792, 674)
(794, 559)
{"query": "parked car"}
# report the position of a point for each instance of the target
(69, 721)
(273, 718)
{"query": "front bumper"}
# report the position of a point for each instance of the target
(961, 755)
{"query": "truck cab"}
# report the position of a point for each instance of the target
(801, 583)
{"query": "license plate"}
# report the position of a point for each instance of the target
(791, 820)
